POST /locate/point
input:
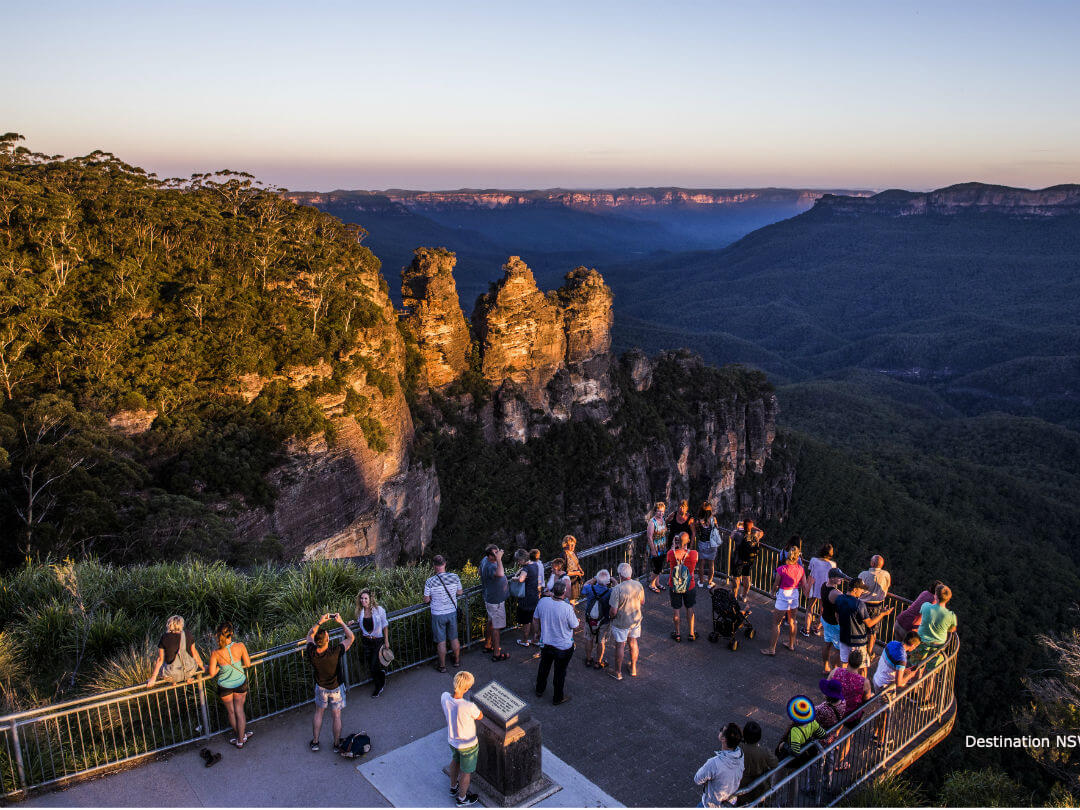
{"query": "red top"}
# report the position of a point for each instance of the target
(790, 574)
(690, 561)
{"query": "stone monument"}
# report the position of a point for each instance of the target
(509, 769)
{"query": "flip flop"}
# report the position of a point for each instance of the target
(440, 670)
(600, 665)
(768, 652)
(503, 656)
(654, 590)
(589, 662)
(676, 636)
(692, 637)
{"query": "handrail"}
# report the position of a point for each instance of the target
(54, 743)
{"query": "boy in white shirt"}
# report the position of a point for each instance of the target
(461, 717)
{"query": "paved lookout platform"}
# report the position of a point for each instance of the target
(635, 742)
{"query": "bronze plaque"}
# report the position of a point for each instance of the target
(495, 699)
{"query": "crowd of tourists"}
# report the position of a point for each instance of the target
(553, 605)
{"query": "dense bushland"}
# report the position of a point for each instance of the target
(121, 292)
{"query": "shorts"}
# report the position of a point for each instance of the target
(444, 626)
(787, 599)
(224, 691)
(845, 652)
(658, 563)
(832, 633)
(874, 609)
(688, 599)
(707, 552)
(466, 757)
(497, 614)
(741, 570)
(619, 635)
(334, 699)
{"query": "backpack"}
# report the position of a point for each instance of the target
(183, 666)
(355, 745)
(680, 575)
(598, 608)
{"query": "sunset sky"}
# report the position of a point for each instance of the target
(324, 95)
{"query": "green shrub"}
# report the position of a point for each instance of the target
(895, 791)
(988, 787)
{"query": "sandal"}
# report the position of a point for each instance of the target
(616, 675)
(589, 662)
(692, 637)
(502, 656)
(600, 665)
(440, 670)
(676, 636)
(654, 589)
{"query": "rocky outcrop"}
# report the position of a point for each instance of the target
(348, 499)
(1055, 201)
(520, 331)
(433, 314)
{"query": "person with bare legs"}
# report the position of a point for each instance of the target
(788, 582)
(817, 575)
(442, 592)
(227, 664)
(747, 545)
(877, 581)
(682, 560)
(461, 716)
(325, 659)
(709, 542)
(830, 622)
(627, 599)
(656, 544)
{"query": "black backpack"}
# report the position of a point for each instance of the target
(604, 602)
(355, 745)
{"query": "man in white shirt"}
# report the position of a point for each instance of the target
(555, 620)
(878, 581)
(720, 776)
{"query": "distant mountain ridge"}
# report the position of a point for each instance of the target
(1060, 200)
(578, 199)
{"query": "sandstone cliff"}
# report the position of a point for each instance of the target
(348, 499)
(1055, 201)
(434, 316)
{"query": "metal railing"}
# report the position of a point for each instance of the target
(58, 742)
(61, 741)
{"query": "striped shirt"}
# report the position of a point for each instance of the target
(443, 600)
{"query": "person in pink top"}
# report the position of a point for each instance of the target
(788, 582)
(910, 617)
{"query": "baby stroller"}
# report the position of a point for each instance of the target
(728, 617)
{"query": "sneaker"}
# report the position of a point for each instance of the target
(522, 642)
(804, 634)
(337, 746)
(314, 745)
(467, 799)
(453, 790)
(378, 692)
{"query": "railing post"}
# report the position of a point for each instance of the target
(345, 668)
(20, 768)
(468, 622)
(204, 708)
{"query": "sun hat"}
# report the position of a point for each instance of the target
(830, 688)
(386, 656)
(800, 709)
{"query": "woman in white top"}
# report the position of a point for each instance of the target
(817, 576)
(374, 633)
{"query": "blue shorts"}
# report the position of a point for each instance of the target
(832, 633)
(444, 626)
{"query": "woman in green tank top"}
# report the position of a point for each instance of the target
(227, 664)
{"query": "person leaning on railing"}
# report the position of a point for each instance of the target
(178, 659)
(910, 617)
(374, 636)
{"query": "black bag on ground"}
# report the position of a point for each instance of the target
(355, 745)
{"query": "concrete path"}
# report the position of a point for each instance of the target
(639, 740)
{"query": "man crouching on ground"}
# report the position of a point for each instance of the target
(461, 717)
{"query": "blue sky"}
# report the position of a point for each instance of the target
(323, 95)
